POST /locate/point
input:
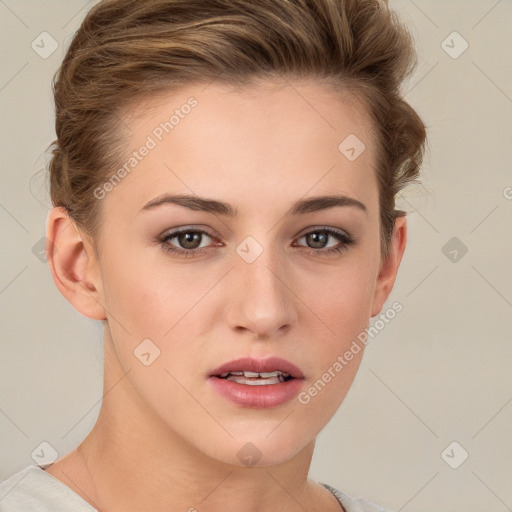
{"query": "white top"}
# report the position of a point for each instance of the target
(34, 490)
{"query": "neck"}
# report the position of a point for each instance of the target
(132, 461)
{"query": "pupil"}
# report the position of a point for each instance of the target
(317, 240)
(190, 240)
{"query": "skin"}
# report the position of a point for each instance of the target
(164, 440)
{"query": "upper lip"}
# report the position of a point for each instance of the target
(249, 364)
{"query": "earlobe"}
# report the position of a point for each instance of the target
(390, 265)
(73, 264)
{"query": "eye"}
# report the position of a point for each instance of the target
(326, 240)
(186, 241)
(189, 242)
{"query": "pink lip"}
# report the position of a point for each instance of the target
(258, 397)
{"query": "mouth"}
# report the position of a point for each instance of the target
(250, 371)
(257, 383)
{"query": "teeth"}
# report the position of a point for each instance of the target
(270, 374)
(254, 381)
(256, 375)
(255, 378)
(250, 374)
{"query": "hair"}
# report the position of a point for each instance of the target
(127, 51)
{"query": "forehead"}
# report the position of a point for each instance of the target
(272, 143)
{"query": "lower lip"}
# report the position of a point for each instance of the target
(257, 397)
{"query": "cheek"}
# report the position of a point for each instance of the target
(341, 300)
(340, 307)
(149, 297)
(340, 311)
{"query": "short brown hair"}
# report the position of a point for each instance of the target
(125, 50)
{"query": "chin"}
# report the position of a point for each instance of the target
(258, 450)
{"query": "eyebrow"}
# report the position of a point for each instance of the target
(301, 207)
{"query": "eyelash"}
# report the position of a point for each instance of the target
(345, 239)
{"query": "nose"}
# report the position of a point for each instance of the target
(261, 299)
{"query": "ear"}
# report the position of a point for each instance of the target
(73, 264)
(389, 266)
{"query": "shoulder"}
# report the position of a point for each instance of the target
(34, 490)
(354, 504)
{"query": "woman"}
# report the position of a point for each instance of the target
(224, 182)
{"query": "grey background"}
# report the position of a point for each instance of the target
(438, 373)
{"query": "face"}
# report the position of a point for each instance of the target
(249, 266)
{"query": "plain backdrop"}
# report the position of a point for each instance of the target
(435, 384)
